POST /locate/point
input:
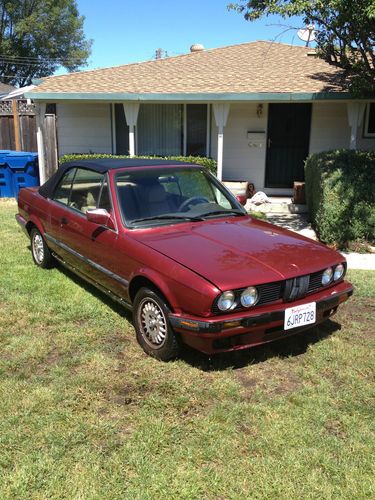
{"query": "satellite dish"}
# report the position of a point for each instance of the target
(307, 34)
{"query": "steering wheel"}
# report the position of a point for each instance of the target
(193, 200)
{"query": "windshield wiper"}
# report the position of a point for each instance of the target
(166, 217)
(223, 212)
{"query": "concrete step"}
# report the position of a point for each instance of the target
(277, 208)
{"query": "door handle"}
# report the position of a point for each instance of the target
(63, 221)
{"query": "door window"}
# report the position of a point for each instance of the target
(85, 190)
(62, 192)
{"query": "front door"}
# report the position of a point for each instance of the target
(287, 144)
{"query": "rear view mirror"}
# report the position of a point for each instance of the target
(100, 216)
(242, 199)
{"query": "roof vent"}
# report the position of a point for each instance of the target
(196, 47)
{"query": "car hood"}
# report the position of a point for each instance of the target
(235, 253)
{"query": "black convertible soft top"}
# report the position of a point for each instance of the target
(102, 166)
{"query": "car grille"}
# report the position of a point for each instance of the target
(288, 290)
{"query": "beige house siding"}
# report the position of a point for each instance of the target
(329, 127)
(242, 161)
(84, 128)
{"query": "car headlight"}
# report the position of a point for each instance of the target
(339, 272)
(226, 301)
(249, 297)
(327, 276)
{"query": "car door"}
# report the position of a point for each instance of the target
(89, 248)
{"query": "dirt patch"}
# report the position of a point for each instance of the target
(275, 381)
(335, 428)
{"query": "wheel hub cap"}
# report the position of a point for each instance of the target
(153, 323)
(38, 248)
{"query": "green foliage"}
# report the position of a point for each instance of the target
(345, 33)
(38, 36)
(209, 163)
(340, 192)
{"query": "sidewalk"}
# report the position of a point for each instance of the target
(299, 224)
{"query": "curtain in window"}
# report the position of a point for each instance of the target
(160, 129)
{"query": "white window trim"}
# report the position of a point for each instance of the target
(366, 133)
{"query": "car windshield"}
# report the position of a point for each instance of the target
(158, 196)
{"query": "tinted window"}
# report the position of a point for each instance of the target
(85, 189)
(62, 192)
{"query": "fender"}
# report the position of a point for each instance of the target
(34, 219)
(159, 282)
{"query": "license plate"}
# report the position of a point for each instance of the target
(300, 316)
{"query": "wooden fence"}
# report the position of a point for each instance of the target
(18, 128)
(17, 125)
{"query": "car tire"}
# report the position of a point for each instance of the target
(154, 333)
(39, 250)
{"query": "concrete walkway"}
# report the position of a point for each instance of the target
(299, 224)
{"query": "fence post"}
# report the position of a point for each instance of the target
(16, 125)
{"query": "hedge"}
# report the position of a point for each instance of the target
(209, 163)
(340, 192)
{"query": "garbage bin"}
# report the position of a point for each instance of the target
(6, 187)
(24, 168)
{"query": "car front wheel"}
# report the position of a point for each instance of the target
(154, 333)
(39, 250)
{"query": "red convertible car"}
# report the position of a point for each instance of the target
(170, 242)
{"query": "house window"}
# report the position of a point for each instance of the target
(160, 129)
(370, 120)
(196, 129)
(121, 131)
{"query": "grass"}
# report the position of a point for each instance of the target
(85, 414)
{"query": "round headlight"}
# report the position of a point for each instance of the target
(249, 297)
(339, 272)
(226, 301)
(327, 276)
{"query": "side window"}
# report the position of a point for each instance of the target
(85, 190)
(62, 192)
(105, 199)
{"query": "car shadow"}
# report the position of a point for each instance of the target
(108, 301)
(293, 346)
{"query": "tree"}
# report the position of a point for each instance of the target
(345, 33)
(39, 36)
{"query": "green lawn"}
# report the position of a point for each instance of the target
(85, 414)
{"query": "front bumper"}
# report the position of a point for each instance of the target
(242, 330)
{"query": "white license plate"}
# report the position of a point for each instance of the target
(300, 316)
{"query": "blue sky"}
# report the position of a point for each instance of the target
(125, 31)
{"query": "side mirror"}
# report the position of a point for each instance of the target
(242, 199)
(100, 216)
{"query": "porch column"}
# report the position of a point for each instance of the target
(221, 112)
(40, 109)
(355, 117)
(131, 110)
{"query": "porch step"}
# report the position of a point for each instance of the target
(277, 207)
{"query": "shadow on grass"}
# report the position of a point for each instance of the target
(294, 345)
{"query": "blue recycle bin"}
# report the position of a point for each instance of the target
(6, 186)
(24, 170)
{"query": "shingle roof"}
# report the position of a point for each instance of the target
(254, 67)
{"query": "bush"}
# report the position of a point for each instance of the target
(340, 193)
(209, 163)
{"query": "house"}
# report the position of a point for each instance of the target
(5, 89)
(259, 108)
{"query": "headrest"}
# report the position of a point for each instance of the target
(156, 193)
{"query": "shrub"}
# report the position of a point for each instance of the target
(340, 192)
(209, 163)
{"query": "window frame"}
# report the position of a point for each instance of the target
(105, 179)
(366, 133)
